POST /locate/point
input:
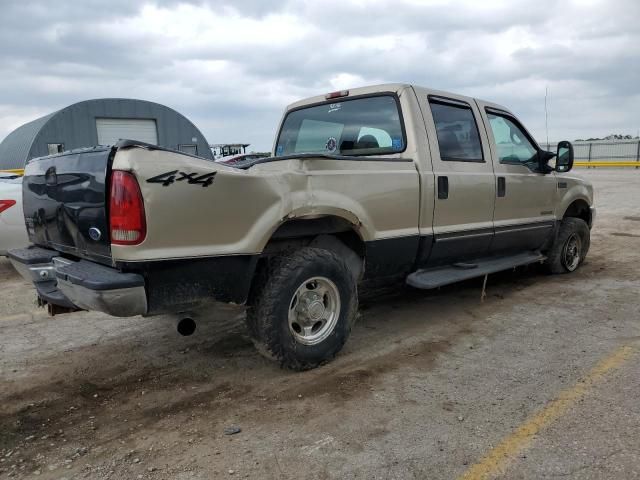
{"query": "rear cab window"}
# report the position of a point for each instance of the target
(369, 125)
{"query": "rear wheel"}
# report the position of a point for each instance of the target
(302, 308)
(570, 246)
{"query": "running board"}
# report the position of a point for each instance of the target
(439, 276)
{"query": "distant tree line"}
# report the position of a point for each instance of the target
(609, 137)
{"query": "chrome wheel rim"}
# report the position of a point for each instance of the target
(314, 310)
(571, 252)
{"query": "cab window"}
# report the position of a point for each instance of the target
(377, 135)
(511, 142)
(457, 131)
(357, 126)
(313, 135)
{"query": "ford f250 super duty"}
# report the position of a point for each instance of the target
(383, 182)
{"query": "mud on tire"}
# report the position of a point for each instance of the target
(302, 307)
(573, 234)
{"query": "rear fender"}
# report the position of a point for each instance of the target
(237, 211)
(235, 214)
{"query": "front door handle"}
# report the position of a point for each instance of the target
(443, 188)
(502, 186)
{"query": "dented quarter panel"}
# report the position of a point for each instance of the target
(240, 210)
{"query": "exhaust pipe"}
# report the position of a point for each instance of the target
(186, 326)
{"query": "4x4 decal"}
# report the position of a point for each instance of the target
(169, 178)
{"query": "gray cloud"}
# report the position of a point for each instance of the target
(232, 66)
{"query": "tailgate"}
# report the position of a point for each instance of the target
(64, 201)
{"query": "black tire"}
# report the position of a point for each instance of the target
(561, 255)
(277, 289)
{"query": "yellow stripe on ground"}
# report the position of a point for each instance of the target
(496, 460)
(606, 164)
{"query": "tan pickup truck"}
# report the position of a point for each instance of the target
(389, 182)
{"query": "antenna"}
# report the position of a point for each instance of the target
(546, 114)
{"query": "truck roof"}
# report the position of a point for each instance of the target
(384, 87)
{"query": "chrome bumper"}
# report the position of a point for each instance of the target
(36, 273)
(83, 284)
(119, 302)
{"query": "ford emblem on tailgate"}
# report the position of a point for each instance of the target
(95, 234)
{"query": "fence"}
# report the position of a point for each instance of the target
(604, 153)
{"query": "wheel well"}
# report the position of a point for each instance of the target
(305, 230)
(328, 232)
(579, 209)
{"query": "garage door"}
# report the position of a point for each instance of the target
(110, 130)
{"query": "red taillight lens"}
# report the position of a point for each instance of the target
(126, 210)
(6, 204)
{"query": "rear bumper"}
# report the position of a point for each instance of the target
(592, 217)
(82, 284)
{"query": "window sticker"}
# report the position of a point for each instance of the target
(279, 150)
(334, 107)
(396, 143)
(331, 144)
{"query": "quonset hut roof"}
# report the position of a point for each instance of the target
(75, 127)
(14, 149)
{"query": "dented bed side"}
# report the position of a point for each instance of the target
(238, 211)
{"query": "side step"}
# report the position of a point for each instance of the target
(439, 276)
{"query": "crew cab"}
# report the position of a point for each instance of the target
(383, 183)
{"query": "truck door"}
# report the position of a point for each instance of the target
(464, 179)
(524, 213)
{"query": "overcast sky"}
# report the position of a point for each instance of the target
(231, 67)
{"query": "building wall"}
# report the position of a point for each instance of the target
(75, 126)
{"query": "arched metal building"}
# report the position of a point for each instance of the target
(102, 122)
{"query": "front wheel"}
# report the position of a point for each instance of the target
(570, 246)
(302, 308)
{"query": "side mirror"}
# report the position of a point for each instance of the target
(543, 161)
(564, 157)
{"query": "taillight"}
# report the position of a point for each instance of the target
(126, 210)
(341, 93)
(6, 204)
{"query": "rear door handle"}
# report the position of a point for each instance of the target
(502, 187)
(443, 188)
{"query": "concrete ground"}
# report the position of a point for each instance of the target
(541, 380)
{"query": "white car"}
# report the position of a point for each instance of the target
(13, 233)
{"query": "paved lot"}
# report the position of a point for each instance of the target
(541, 380)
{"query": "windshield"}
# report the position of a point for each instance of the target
(362, 126)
